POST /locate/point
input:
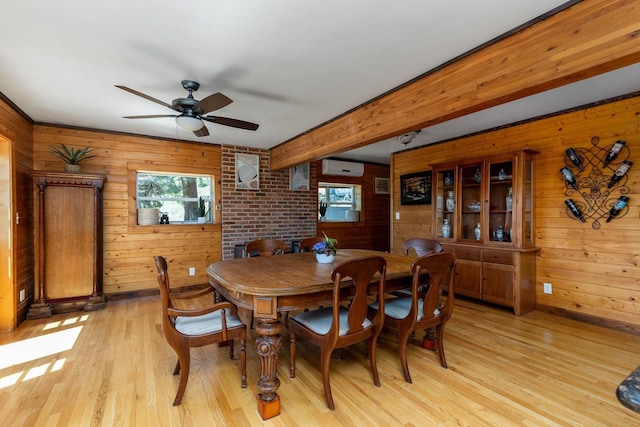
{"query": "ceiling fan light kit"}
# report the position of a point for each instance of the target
(189, 122)
(192, 112)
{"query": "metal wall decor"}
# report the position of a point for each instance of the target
(596, 182)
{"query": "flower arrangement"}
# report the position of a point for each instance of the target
(327, 246)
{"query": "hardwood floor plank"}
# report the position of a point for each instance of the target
(116, 369)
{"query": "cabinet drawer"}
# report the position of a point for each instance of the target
(497, 257)
(473, 254)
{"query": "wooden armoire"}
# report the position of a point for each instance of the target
(68, 241)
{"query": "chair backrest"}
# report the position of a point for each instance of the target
(165, 291)
(440, 267)
(265, 247)
(422, 246)
(307, 244)
(361, 271)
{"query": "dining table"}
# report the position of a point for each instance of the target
(282, 283)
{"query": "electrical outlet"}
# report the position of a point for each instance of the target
(192, 271)
(23, 294)
(547, 288)
(397, 215)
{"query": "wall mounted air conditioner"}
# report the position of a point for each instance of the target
(342, 168)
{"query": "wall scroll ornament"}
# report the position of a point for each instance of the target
(596, 182)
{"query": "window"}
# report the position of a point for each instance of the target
(176, 195)
(342, 200)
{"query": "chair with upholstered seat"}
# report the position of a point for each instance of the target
(421, 246)
(184, 329)
(344, 323)
(307, 244)
(410, 313)
(265, 247)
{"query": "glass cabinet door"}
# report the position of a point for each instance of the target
(471, 177)
(501, 199)
(527, 202)
(445, 204)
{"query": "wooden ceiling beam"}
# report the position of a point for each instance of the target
(589, 38)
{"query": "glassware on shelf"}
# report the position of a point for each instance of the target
(478, 231)
(448, 179)
(502, 175)
(446, 229)
(477, 176)
(509, 199)
(499, 234)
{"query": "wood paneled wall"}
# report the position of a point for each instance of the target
(128, 248)
(373, 230)
(594, 273)
(19, 132)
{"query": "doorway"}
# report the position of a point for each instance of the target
(7, 294)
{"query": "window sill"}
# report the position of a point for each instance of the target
(173, 228)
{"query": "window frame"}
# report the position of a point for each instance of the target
(356, 203)
(157, 168)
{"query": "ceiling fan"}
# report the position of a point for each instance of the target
(192, 112)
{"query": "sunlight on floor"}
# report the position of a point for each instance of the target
(50, 344)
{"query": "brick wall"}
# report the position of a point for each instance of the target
(272, 212)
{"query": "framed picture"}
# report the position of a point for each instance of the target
(299, 177)
(382, 185)
(415, 189)
(247, 171)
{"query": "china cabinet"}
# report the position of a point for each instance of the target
(490, 227)
(68, 231)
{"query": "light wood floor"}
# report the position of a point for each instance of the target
(113, 367)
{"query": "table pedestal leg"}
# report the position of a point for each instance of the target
(429, 340)
(268, 345)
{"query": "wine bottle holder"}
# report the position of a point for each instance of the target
(593, 198)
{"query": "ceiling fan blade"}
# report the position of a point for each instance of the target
(203, 131)
(153, 116)
(213, 102)
(147, 97)
(234, 123)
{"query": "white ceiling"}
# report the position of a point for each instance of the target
(288, 65)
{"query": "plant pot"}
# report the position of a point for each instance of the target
(71, 168)
(324, 259)
(202, 220)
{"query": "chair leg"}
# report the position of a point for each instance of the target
(184, 360)
(292, 355)
(403, 340)
(325, 361)
(231, 349)
(440, 346)
(243, 362)
(176, 370)
(371, 350)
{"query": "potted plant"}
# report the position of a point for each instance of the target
(325, 250)
(71, 156)
(322, 208)
(202, 211)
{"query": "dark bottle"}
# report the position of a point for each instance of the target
(574, 209)
(574, 158)
(622, 169)
(617, 207)
(613, 152)
(568, 176)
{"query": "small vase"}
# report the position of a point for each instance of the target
(509, 199)
(324, 258)
(446, 229)
(478, 231)
(450, 202)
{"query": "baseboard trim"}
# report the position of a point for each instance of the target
(593, 320)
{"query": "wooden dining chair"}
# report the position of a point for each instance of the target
(184, 329)
(410, 313)
(421, 246)
(265, 247)
(338, 326)
(307, 244)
